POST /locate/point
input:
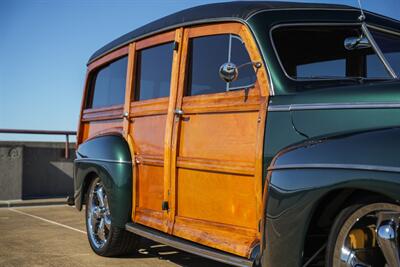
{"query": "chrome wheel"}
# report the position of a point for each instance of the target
(360, 241)
(98, 214)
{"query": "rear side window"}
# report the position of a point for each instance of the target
(153, 76)
(107, 85)
(206, 55)
(318, 52)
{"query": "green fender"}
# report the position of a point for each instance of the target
(304, 174)
(108, 157)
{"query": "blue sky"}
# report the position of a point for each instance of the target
(45, 44)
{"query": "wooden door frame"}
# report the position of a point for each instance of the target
(262, 79)
(140, 108)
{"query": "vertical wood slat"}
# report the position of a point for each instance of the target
(130, 78)
(169, 192)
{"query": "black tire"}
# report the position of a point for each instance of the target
(118, 242)
(346, 221)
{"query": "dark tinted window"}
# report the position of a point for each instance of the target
(207, 54)
(314, 52)
(107, 86)
(154, 66)
(390, 47)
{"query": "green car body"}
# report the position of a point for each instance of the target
(324, 143)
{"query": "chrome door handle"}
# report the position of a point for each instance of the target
(125, 115)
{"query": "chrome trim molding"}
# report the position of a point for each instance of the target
(378, 51)
(102, 160)
(331, 106)
(187, 245)
(361, 167)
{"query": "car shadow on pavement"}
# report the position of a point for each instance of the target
(150, 249)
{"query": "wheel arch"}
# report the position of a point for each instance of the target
(328, 208)
(108, 157)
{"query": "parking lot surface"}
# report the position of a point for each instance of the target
(56, 236)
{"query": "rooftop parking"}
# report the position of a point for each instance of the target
(56, 236)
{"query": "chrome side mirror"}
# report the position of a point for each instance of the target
(355, 43)
(228, 72)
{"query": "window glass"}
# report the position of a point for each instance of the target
(108, 84)
(325, 68)
(315, 52)
(154, 67)
(207, 54)
(239, 56)
(390, 47)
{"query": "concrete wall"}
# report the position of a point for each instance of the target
(31, 170)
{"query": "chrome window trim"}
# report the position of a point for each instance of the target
(361, 167)
(360, 24)
(377, 50)
(102, 160)
(332, 106)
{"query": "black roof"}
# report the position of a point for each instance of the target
(237, 10)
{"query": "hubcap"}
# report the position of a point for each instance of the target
(369, 242)
(98, 215)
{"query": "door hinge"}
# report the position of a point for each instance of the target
(164, 205)
(176, 46)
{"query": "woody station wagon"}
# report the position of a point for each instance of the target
(252, 133)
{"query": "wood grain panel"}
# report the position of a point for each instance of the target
(241, 100)
(236, 167)
(150, 218)
(94, 128)
(225, 136)
(109, 57)
(149, 107)
(155, 40)
(229, 238)
(148, 135)
(228, 198)
(105, 113)
(150, 187)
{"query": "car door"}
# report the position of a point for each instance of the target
(152, 61)
(218, 135)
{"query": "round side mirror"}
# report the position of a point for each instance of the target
(228, 72)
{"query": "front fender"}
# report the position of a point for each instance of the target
(109, 158)
(301, 175)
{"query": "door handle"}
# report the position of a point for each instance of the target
(179, 112)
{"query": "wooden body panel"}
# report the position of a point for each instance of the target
(216, 171)
(207, 164)
(94, 128)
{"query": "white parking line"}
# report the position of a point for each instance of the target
(48, 221)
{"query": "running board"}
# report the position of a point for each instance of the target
(187, 246)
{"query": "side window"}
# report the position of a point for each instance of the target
(107, 86)
(153, 76)
(206, 55)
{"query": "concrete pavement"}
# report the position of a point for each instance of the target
(56, 236)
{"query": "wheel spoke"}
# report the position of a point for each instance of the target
(100, 196)
(100, 230)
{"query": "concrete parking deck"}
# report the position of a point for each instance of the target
(56, 236)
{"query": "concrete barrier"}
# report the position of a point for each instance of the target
(32, 170)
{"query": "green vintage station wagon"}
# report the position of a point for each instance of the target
(252, 133)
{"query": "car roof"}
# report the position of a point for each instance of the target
(227, 11)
